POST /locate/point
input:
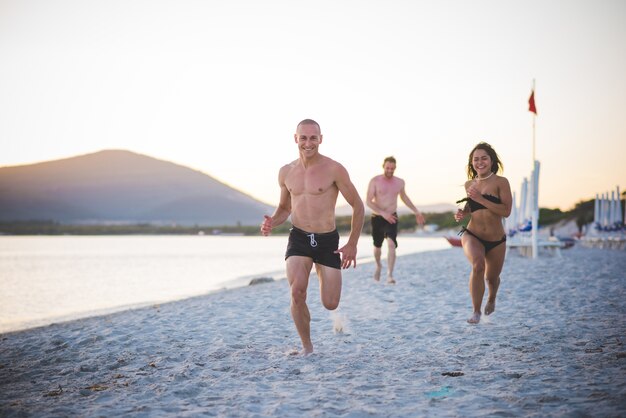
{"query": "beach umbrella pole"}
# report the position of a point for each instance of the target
(535, 209)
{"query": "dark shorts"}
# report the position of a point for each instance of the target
(319, 247)
(382, 229)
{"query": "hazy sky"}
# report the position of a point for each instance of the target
(219, 86)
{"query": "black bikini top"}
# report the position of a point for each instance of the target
(474, 206)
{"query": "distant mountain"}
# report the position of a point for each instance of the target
(346, 210)
(116, 186)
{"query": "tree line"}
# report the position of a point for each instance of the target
(582, 213)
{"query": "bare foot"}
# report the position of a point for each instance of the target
(303, 352)
(475, 319)
(377, 273)
(390, 280)
(490, 306)
(338, 322)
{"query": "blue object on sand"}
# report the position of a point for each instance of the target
(444, 391)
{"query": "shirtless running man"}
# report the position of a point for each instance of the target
(309, 187)
(382, 198)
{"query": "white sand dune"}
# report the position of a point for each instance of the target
(554, 347)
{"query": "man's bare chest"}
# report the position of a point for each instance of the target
(316, 183)
(388, 188)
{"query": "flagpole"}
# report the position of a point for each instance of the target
(534, 188)
(534, 117)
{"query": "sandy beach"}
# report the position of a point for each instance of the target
(554, 347)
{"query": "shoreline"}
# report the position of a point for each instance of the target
(554, 346)
(30, 307)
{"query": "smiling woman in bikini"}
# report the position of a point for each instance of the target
(484, 240)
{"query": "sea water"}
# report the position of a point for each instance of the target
(46, 279)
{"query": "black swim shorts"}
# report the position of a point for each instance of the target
(320, 247)
(382, 229)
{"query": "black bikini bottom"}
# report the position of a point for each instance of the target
(489, 245)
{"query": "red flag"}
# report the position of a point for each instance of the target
(531, 103)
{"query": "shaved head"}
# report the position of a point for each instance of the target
(309, 122)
